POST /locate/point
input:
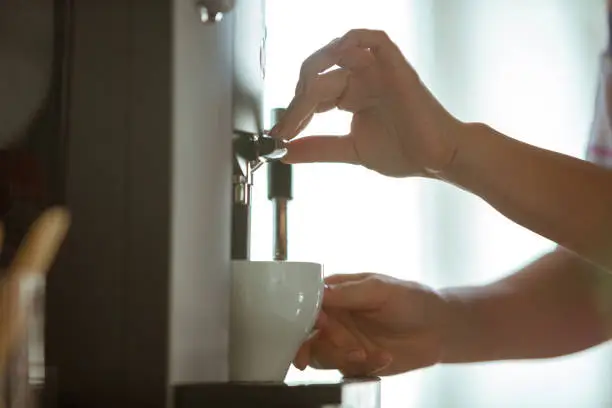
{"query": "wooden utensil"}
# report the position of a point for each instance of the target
(32, 261)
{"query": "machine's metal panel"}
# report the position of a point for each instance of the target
(249, 68)
(201, 196)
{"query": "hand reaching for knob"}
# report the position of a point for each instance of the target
(398, 128)
(376, 325)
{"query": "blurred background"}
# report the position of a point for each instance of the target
(526, 67)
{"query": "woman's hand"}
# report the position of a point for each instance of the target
(377, 325)
(398, 129)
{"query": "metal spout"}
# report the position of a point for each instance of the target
(250, 153)
(280, 193)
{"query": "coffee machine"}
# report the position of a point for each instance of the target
(152, 129)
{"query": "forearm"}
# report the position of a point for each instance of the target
(559, 197)
(555, 306)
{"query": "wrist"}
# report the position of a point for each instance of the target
(443, 157)
(464, 336)
(453, 327)
(477, 147)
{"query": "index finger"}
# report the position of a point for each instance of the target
(318, 62)
(378, 42)
(324, 89)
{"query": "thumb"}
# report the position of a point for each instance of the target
(367, 294)
(321, 149)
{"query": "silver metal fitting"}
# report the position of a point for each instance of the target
(250, 153)
(280, 229)
(212, 11)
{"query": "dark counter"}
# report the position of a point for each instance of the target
(353, 393)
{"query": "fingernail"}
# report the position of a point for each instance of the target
(356, 356)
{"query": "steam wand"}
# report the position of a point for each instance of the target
(280, 193)
(250, 153)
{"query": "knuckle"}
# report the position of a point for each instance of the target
(382, 35)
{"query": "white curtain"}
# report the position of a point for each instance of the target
(527, 67)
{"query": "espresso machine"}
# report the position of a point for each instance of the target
(150, 133)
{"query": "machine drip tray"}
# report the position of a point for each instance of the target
(349, 393)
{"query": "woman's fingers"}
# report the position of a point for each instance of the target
(302, 357)
(320, 352)
(355, 59)
(342, 51)
(355, 296)
(321, 107)
(317, 91)
(325, 88)
(335, 344)
(346, 277)
(324, 356)
(378, 42)
(356, 50)
(322, 321)
(376, 363)
(318, 62)
(338, 335)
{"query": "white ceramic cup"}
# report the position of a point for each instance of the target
(273, 310)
